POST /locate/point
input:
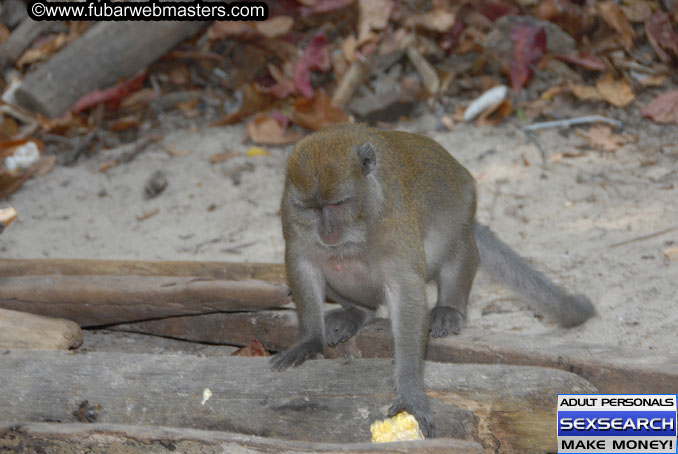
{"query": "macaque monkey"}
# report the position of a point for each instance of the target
(369, 217)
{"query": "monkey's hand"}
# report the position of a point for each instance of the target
(417, 404)
(297, 354)
(444, 321)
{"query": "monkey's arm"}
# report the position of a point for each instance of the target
(308, 291)
(405, 295)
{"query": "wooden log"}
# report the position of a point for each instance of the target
(512, 407)
(102, 300)
(611, 369)
(230, 271)
(117, 438)
(19, 330)
(106, 53)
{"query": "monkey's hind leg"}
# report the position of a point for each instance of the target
(342, 324)
(455, 279)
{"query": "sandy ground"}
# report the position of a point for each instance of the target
(565, 216)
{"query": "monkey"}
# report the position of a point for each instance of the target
(369, 217)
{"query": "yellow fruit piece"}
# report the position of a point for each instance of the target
(401, 427)
(256, 151)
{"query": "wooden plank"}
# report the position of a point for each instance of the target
(230, 271)
(123, 48)
(322, 401)
(19, 330)
(611, 369)
(21, 38)
(117, 439)
(102, 300)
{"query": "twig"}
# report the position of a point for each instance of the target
(643, 237)
(573, 121)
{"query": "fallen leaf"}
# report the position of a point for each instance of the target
(317, 112)
(653, 80)
(256, 151)
(275, 27)
(177, 152)
(567, 15)
(111, 95)
(663, 108)
(283, 86)
(661, 33)
(617, 92)
(43, 50)
(253, 101)
(316, 57)
(324, 6)
(637, 10)
(586, 61)
(495, 114)
(232, 29)
(223, 156)
(266, 130)
(374, 15)
(147, 214)
(107, 165)
(124, 123)
(253, 349)
(529, 45)
(4, 33)
(584, 92)
(437, 20)
(614, 17)
(671, 254)
(348, 47)
(494, 10)
(602, 138)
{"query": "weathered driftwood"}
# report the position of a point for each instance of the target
(116, 439)
(121, 49)
(610, 369)
(102, 300)
(19, 330)
(230, 271)
(321, 401)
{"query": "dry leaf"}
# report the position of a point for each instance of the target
(253, 101)
(275, 27)
(662, 34)
(615, 18)
(223, 156)
(177, 152)
(318, 112)
(529, 45)
(584, 92)
(316, 57)
(602, 138)
(495, 114)
(253, 349)
(671, 254)
(438, 20)
(637, 10)
(617, 92)
(349, 46)
(43, 50)
(256, 151)
(4, 33)
(111, 95)
(106, 165)
(124, 123)
(232, 29)
(656, 80)
(266, 130)
(663, 108)
(374, 15)
(147, 214)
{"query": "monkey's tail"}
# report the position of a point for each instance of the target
(503, 264)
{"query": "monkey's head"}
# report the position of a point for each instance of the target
(328, 187)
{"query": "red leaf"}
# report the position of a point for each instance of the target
(253, 349)
(111, 95)
(529, 45)
(663, 36)
(316, 57)
(324, 6)
(586, 61)
(494, 10)
(663, 108)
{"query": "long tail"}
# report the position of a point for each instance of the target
(503, 264)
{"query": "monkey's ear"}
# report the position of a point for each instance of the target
(368, 157)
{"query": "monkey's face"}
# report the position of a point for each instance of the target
(324, 198)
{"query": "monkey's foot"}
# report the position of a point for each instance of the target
(297, 354)
(417, 406)
(342, 324)
(444, 321)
